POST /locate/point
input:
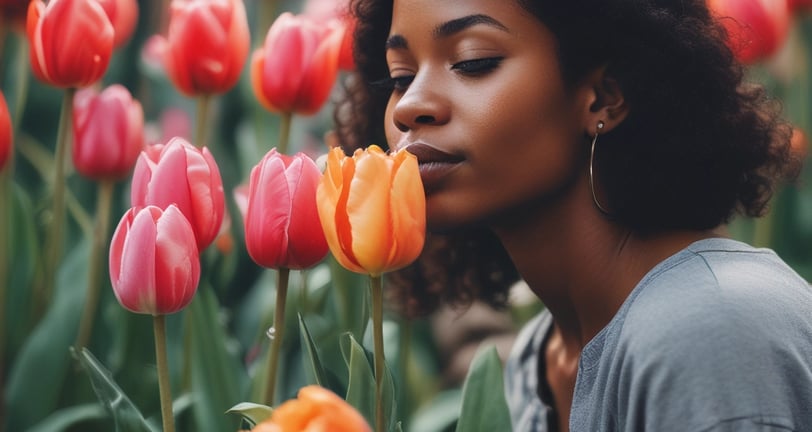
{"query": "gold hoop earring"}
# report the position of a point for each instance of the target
(591, 176)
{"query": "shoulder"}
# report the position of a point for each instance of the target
(723, 333)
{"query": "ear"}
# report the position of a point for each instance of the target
(605, 101)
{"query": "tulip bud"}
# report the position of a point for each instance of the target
(108, 132)
(316, 409)
(6, 137)
(294, 71)
(282, 228)
(756, 28)
(373, 209)
(71, 41)
(123, 15)
(154, 263)
(207, 45)
(179, 173)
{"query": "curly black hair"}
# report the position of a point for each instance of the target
(699, 145)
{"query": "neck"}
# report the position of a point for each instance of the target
(580, 264)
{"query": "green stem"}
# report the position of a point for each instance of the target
(303, 300)
(202, 125)
(159, 326)
(21, 81)
(278, 332)
(55, 238)
(99, 246)
(284, 132)
(376, 285)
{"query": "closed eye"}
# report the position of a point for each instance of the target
(390, 84)
(477, 67)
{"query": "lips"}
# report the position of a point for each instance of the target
(434, 164)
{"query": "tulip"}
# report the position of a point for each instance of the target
(372, 209)
(6, 137)
(332, 10)
(71, 42)
(123, 15)
(207, 45)
(154, 263)
(282, 226)
(316, 409)
(181, 174)
(756, 28)
(294, 71)
(108, 132)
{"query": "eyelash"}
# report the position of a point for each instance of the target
(472, 68)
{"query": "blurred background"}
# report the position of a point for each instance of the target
(47, 388)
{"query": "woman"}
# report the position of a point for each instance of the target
(597, 147)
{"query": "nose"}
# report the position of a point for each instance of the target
(421, 105)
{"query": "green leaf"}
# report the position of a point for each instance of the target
(484, 408)
(218, 379)
(251, 412)
(440, 414)
(311, 354)
(67, 417)
(361, 388)
(38, 374)
(126, 416)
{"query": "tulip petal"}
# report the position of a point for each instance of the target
(408, 210)
(268, 212)
(332, 197)
(320, 74)
(134, 285)
(177, 266)
(368, 211)
(307, 245)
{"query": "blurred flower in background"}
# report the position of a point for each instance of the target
(108, 132)
(71, 41)
(123, 15)
(6, 134)
(756, 28)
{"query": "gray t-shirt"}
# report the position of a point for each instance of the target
(718, 337)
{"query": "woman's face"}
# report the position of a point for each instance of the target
(479, 98)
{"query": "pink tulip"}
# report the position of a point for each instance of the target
(296, 68)
(338, 11)
(108, 132)
(5, 132)
(207, 45)
(179, 173)
(154, 263)
(282, 227)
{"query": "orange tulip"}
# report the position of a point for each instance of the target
(207, 46)
(316, 410)
(756, 28)
(5, 132)
(373, 209)
(296, 68)
(71, 41)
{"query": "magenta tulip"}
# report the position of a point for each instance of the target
(6, 134)
(181, 174)
(282, 228)
(108, 132)
(154, 262)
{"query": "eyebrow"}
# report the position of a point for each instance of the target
(449, 28)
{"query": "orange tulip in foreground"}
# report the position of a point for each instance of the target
(373, 209)
(316, 410)
(756, 28)
(207, 45)
(5, 132)
(71, 41)
(296, 68)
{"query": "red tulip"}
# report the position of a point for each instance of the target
(123, 15)
(181, 174)
(5, 132)
(333, 10)
(207, 46)
(297, 66)
(282, 228)
(71, 41)
(108, 132)
(154, 263)
(756, 28)
(13, 12)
